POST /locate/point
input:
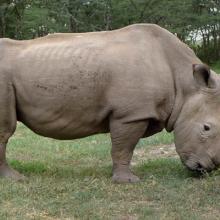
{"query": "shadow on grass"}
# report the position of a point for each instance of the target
(165, 168)
(28, 167)
(169, 168)
(38, 168)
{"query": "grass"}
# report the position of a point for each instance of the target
(72, 180)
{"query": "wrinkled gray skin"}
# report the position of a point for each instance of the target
(131, 82)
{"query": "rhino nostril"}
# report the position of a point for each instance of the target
(215, 163)
(206, 168)
(199, 166)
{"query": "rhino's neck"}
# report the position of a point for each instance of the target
(177, 106)
(184, 85)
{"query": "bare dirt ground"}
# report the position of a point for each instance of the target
(153, 152)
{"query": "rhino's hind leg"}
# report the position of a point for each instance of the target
(8, 122)
(5, 170)
(124, 139)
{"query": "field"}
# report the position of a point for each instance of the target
(72, 180)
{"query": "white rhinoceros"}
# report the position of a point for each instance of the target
(131, 82)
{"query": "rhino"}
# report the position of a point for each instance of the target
(132, 82)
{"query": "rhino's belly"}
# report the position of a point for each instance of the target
(61, 114)
(60, 102)
(62, 125)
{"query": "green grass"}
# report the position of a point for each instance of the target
(72, 180)
(216, 67)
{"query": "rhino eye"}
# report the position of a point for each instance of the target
(207, 127)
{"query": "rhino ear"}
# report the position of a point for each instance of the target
(203, 77)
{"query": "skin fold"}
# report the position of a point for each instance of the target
(131, 82)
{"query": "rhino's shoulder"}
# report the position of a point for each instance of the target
(162, 37)
(148, 28)
(151, 33)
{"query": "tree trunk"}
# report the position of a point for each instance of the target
(108, 15)
(73, 24)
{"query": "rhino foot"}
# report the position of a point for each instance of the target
(125, 178)
(7, 172)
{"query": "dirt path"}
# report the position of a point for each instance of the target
(153, 152)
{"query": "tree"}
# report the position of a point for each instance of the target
(11, 13)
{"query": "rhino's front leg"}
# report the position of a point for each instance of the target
(124, 138)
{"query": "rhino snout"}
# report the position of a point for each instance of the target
(201, 165)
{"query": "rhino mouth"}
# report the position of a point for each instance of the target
(198, 168)
(193, 163)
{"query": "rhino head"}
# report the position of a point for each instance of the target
(197, 129)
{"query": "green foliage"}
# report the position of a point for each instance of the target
(216, 67)
(207, 24)
(10, 18)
